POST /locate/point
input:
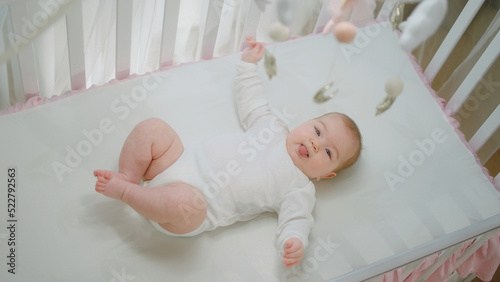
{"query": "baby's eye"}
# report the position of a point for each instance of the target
(329, 153)
(317, 131)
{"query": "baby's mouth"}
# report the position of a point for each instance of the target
(303, 151)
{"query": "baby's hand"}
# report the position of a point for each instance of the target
(254, 53)
(294, 252)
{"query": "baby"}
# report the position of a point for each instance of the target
(223, 180)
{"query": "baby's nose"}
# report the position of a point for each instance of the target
(314, 146)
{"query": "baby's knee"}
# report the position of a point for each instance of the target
(152, 124)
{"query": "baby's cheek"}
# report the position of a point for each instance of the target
(325, 167)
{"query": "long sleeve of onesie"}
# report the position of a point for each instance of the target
(295, 215)
(251, 102)
(297, 202)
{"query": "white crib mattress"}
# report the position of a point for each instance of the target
(416, 181)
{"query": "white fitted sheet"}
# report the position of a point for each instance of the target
(65, 231)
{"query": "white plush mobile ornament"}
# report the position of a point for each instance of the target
(422, 23)
(393, 87)
(279, 31)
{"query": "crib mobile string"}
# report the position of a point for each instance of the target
(393, 85)
(320, 96)
(270, 63)
(344, 32)
(278, 32)
(420, 25)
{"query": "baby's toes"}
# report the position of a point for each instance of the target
(98, 172)
(101, 183)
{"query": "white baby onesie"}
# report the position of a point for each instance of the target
(244, 174)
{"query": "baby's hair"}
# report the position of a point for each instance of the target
(356, 133)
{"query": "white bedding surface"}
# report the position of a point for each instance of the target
(65, 231)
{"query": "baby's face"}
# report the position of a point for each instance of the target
(319, 146)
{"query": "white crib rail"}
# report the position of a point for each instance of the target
(475, 75)
(74, 27)
(26, 58)
(169, 32)
(123, 37)
(251, 24)
(209, 30)
(372, 272)
(451, 39)
(464, 91)
(486, 130)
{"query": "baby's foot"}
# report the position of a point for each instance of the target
(111, 184)
(100, 172)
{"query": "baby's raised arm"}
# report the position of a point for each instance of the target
(254, 53)
(251, 103)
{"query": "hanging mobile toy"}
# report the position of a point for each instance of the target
(278, 32)
(422, 23)
(344, 32)
(269, 64)
(393, 87)
(396, 16)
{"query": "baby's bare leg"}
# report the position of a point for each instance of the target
(149, 149)
(179, 208)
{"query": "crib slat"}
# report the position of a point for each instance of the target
(9, 67)
(451, 39)
(74, 27)
(323, 17)
(479, 69)
(26, 58)
(251, 24)
(478, 243)
(441, 259)
(486, 130)
(409, 268)
(123, 37)
(424, 250)
(209, 30)
(386, 9)
(169, 32)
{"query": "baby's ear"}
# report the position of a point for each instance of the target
(330, 175)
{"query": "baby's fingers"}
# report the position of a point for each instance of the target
(291, 262)
(296, 254)
(292, 246)
(250, 41)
